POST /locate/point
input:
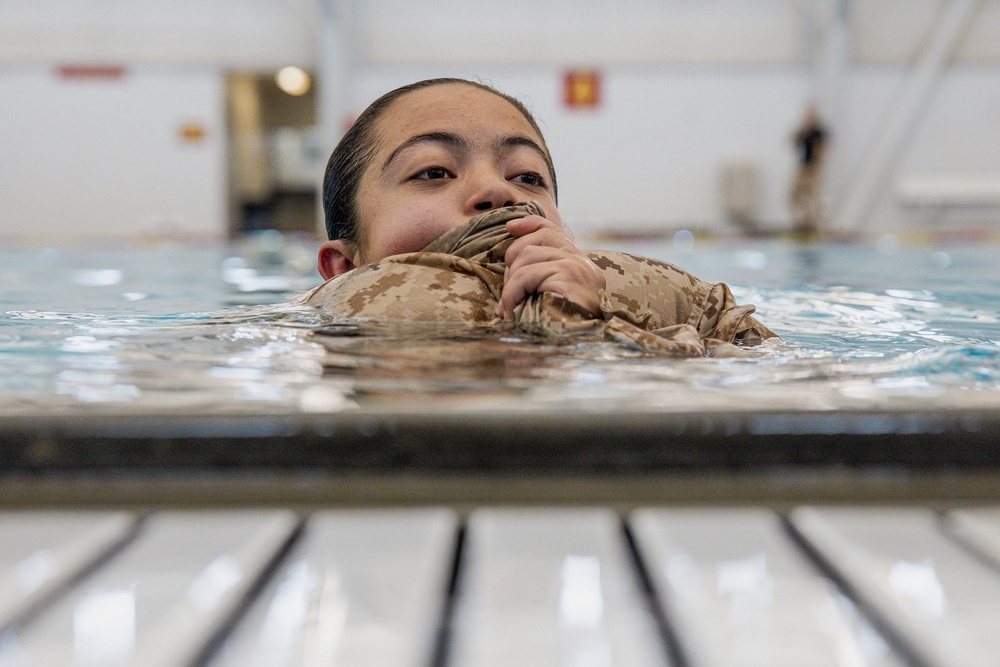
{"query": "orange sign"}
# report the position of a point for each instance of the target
(191, 133)
(582, 88)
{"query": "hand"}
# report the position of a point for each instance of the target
(545, 259)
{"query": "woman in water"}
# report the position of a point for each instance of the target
(441, 205)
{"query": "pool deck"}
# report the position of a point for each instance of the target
(380, 457)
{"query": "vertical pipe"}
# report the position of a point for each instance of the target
(905, 114)
(830, 61)
(249, 175)
(335, 74)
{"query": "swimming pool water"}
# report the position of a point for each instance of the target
(209, 330)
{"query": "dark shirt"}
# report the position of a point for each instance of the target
(810, 140)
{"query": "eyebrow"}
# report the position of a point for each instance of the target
(455, 141)
(515, 141)
(446, 138)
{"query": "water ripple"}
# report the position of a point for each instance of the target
(914, 333)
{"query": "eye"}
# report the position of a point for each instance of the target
(530, 178)
(432, 173)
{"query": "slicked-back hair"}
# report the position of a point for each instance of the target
(356, 150)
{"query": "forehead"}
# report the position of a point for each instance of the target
(458, 108)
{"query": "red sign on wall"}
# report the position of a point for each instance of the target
(91, 72)
(582, 88)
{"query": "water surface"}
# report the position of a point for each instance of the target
(211, 330)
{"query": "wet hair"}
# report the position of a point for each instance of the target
(356, 150)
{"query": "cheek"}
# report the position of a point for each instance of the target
(555, 216)
(406, 229)
(430, 226)
(551, 212)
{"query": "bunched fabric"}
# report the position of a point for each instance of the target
(458, 278)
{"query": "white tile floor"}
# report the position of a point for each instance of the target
(544, 586)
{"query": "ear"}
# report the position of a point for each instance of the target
(335, 258)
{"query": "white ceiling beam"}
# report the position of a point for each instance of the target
(905, 113)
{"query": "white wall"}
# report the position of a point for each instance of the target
(650, 156)
(239, 34)
(955, 148)
(263, 34)
(688, 88)
(891, 31)
(533, 33)
(106, 157)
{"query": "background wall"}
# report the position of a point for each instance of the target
(651, 156)
(135, 154)
(688, 90)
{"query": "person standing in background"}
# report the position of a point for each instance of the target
(805, 198)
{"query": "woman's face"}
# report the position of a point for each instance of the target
(443, 155)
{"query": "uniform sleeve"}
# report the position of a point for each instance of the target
(719, 317)
(417, 287)
(656, 296)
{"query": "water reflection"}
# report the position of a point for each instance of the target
(808, 263)
(849, 348)
(98, 277)
(860, 330)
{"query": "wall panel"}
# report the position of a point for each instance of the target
(86, 157)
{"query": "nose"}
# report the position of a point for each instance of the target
(489, 191)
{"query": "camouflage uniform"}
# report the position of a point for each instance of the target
(458, 278)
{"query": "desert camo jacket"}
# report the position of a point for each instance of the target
(458, 278)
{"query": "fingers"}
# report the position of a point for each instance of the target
(532, 224)
(519, 285)
(545, 259)
(535, 231)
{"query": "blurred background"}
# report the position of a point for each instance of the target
(210, 118)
